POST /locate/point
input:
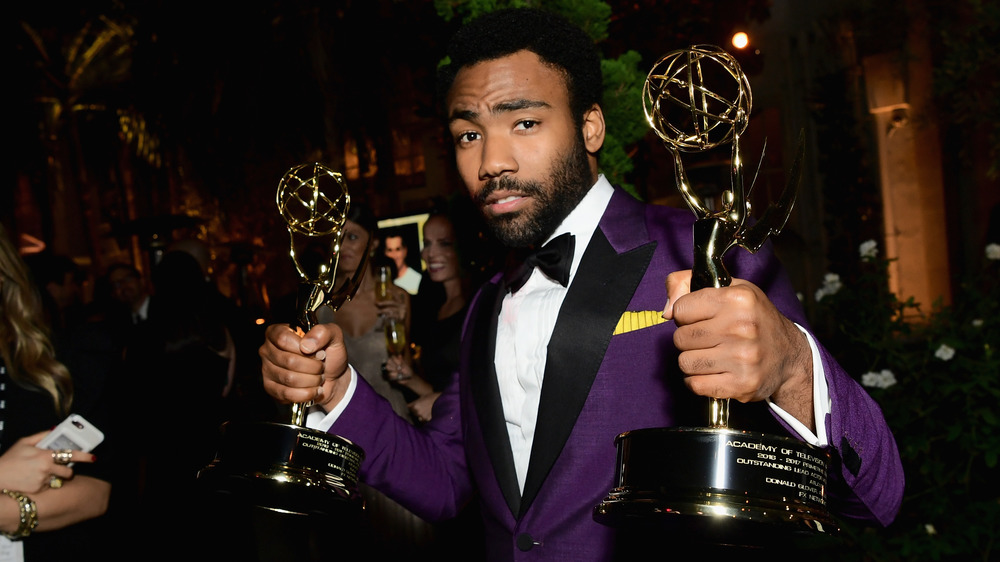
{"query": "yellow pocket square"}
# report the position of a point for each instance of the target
(638, 320)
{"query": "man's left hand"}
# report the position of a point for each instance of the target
(734, 343)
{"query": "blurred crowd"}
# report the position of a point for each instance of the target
(160, 361)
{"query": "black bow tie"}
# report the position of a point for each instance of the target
(554, 259)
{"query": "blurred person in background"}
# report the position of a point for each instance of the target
(129, 288)
(181, 361)
(439, 310)
(59, 281)
(397, 250)
(394, 530)
(438, 313)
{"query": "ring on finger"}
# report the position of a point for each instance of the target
(55, 482)
(62, 456)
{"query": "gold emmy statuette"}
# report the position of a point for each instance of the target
(717, 484)
(289, 467)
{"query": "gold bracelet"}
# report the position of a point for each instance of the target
(29, 515)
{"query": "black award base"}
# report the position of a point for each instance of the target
(287, 468)
(721, 486)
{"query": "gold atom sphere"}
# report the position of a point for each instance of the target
(697, 98)
(313, 199)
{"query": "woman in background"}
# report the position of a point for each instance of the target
(362, 319)
(48, 510)
(393, 530)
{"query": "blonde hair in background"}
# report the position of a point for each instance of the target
(25, 346)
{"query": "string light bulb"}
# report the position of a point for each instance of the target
(740, 40)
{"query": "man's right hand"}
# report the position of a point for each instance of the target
(299, 368)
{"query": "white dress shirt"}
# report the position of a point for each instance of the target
(525, 326)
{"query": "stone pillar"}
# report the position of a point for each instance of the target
(909, 150)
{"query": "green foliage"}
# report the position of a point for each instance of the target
(471, 9)
(591, 15)
(942, 408)
(966, 76)
(626, 123)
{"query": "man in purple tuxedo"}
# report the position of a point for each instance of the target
(549, 376)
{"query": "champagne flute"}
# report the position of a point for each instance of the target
(395, 336)
(395, 345)
(383, 282)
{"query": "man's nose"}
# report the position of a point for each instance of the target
(497, 158)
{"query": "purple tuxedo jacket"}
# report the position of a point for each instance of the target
(596, 386)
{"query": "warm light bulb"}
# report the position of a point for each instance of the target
(741, 40)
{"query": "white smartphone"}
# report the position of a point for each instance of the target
(74, 433)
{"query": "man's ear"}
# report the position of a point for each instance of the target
(593, 129)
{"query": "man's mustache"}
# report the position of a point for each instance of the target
(507, 183)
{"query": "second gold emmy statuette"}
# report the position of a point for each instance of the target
(289, 467)
(716, 484)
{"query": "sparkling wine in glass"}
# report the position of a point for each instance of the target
(383, 282)
(395, 337)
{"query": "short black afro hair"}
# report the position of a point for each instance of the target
(555, 40)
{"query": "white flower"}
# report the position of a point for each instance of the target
(885, 379)
(945, 352)
(993, 251)
(868, 250)
(930, 529)
(977, 323)
(831, 284)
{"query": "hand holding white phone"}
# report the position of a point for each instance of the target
(74, 433)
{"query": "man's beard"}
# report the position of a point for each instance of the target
(569, 182)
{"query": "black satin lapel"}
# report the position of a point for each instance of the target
(486, 392)
(600, 292)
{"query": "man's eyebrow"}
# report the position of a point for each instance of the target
(515, 105)
(502, 107)
(463, 115)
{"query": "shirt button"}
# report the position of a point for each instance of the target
(525, 542)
